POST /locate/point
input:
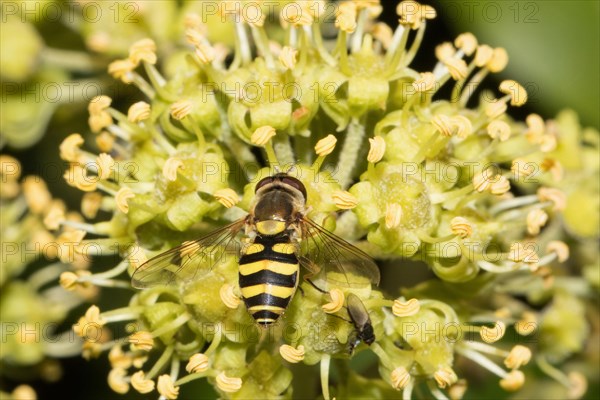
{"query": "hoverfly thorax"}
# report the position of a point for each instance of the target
(280, 200)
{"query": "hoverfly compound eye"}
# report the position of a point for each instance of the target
(263, 182)
(295, 183)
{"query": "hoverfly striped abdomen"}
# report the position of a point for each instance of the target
(268, 276)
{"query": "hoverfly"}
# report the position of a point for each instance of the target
(279, 238)
(362, 323)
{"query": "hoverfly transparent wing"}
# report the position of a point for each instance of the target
(333, 259)
(190, 260)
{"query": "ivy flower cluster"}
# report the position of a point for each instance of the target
(388, 163)
(35, 253)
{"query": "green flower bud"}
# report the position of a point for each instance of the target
(563, 328)
(366, 94)
(20, 48)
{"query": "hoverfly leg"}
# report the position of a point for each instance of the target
(307, 279)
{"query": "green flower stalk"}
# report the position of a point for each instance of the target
(387, 162)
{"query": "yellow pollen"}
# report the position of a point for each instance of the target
(227, 197)
(296, 16)
(535, 128)
(518, 356)
(138, 112)
(556, 196)
(393, 215)
(90, 204)
(105, 164)
(400, 378)
(498, 61)
(118, 358)
(336, 303)
(316, 8)
(483, 55)
(495, 108)
(527, 325)
(554, 167)
(482, 181)
(578, 385)
(36, 194)
(559, 248)
(291, 354)
(548, 143)
(377, 149)
(406, 308)
(445, 377)
(513, 381)
(23, 392)
(262, 135)
(499, 130)
(206, 53)
(117, 380)
(166, 387)
(91, 317)
(443, 124)
(55, 216)
(457, 67)
(197, 363)
(344, 200)
(99, 104)
(122, 69)
(170, 168)
(444, 51)
(414, 14)
(461, 227)
(136, 256)
(287, 57)
(325, 146)
(536, 219)
(228, 384)
(69, 148)
(519, 253)
(515, 90)
(425, 82)
(181, 109)
(491, 335)
(122, 199)
(141, 384)
(142, 340)
(70, 280)
(522, 168)
(194, 36)
(383, 33)
(143, 50)
(458, 390)
(99, 121)
(228, 297)
(346, 22)
(500, 185)
(467, 42)
(463, 126)
(105, 141)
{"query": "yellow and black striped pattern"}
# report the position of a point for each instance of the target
(268, 277)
